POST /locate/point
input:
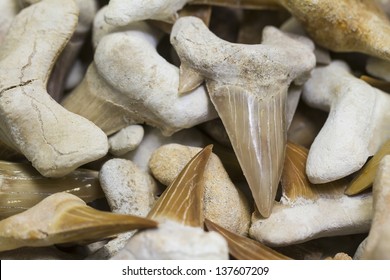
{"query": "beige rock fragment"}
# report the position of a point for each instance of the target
(340, 257)
(125, 140)
(308, 211)
(344, 26)
(53, 139)
(377, 244)
(121, 85)
(128, 191)
(63, 218)
(9, 9)
(179, 211)
(357, 125)
(223, 202)
(248, 87)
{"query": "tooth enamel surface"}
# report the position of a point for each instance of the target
(248, 87)
(173, 241)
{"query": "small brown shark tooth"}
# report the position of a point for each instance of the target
(63, 218)
(307, 211)
(182, 201)
(22, 187)
(248, 87)
(365, 177)
(344, 25)
(244, 248)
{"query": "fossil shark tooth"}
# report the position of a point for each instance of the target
(379, 84)
(248, 87)
(22, 187)
(188, 79)
(344, 25)
(64, 218)
(244, 248)
(365, 177)
(182, 201)
(307, 211)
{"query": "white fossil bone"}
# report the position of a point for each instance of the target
(179, 211)
(128, 191)
(223, 202)
(248, 86)
(377, 244)
(53, 139)
(131, 83)
(357, 125)
(125, 140)
(9, 9)
(308, 211)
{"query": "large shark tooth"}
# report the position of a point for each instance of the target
(344, 25)
(307, 211)
(22, 187)
(244, 248)
(64, 218)
(248, 86)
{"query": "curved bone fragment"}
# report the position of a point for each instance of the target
(64, 218)
(308, 211)
(357, 125)
(125, 140)
(377, 244)
(344, 25)
(130, 83)
(179, 211)
(248, 87)
(53, 139)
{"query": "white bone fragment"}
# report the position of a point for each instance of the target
(357, 125)
(53, 139)
(131, 83)
(377, 244)
(248, 86)
(125, 140)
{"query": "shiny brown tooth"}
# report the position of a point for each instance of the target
(243, 248)
(380, 84)
(365, 177)
(22, 187)
(64, 218)
(182, 201)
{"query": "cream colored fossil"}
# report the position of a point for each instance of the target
(224, 204)
(9, 9)
(128, 191)
(53, 139)
(131, 83)
(377, 245)
(344, 26)
(309, 211)
(248, 86)
(179, 211)
(357, 125)
(63, 218)
(22, 187)
(125, 140)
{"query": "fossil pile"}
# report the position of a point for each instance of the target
(194, 129)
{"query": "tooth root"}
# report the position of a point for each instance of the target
(189, 79)
(243, 248)
(63, 218)
(257, 129)
(365, 177)
(182, 201)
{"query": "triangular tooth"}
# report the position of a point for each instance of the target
(256, 126)
(365, 177)
(244, 248)
(295, 183)
(182, 201)
(63, 218)
(189, 79)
